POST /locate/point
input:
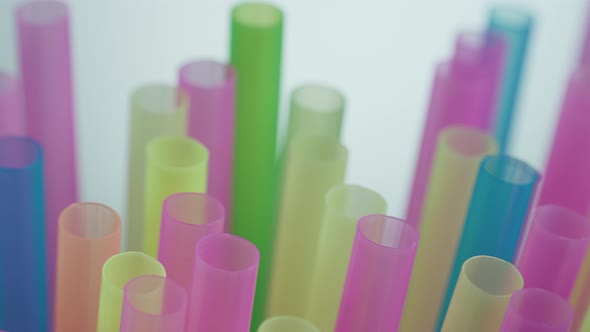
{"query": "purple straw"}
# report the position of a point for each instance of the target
(224, 281)
(153, 304)
(537, 310)
(378, 275)
(210, 87)
(12, 120)
(554, 249)
(464, 93)
(45, 66)
(186, 218)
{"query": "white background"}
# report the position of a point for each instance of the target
(381, 54)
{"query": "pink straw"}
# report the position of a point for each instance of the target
(537, 310)
(46, 71)
(464, 93)
(378, 275)
(554, 249)
(186, 218)
(153, 304)
(567, 181)
(12, 120)
(224, 281)
(210, 87)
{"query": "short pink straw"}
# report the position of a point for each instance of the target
(378, 275)
(210, 87)
(12, 120)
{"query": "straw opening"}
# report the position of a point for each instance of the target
(541, 308)
(388, 232)
(258, 14)
(207, 73)
(287, 324)
(511, 17)
(353, 201)
(492, 275)
(510, 170)
(17, 153)
(193, 208)
(42, 12)
(155, 295)
(468, 142)
(176, 152)
(318, 98)
(159, 98)
(562, 222)
(121, 268)
(90, 220)
(227, 252)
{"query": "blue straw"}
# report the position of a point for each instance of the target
(515, 26)
(23, 276)
(499, 206)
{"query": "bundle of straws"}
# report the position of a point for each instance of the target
(226, 233)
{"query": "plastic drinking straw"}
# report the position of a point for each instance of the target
(23, 304)
(482, 294)
(186, 218)
(46, 73)
(210, 87)
(345, 205)
(224, 282)
(585, 51)
(287, 324)
(12, 119)
(463, 94)
(116, 273)
(498, 209)
(554, 249)
(537, 310)
(378, 275)
(314, 165)
(454, 170)
(88, 234)
(174, 164)
(156, 110)
(515, 26)
(153, 304)
(257, 102)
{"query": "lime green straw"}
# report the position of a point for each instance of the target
(174, 164)
(256, 39)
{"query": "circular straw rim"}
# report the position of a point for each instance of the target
(106, 268)
(557, 301)
(188, 75)
(29, 12)
(115, 229)
(406, 227)
(302, 323)
(345, 192)
(253, 253)
(328, 94)
(210, 202)
(141, 92)
(501, 15)
(453, 135)
(257, 15)
(155, 147)
(565, 215)
(510, 268)
(527, 174)
(178, 289)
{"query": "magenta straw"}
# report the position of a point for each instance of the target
(45, 67)
(537, 310)
(186, 218)
(12, 120)
(378, 275)
(554, 249)
(210, 87)
(464, 93)
(153, 304)
(224, 281)
(566, 180)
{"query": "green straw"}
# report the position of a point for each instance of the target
(256, 39)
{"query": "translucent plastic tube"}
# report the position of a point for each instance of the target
(174, 164)
(224, 281)
(456, 163)
(482, 294)
(537, 310)
(156, 110)
(463, 93)
(116, 273)
(12, 119)
(287, 324)
(585, 51)
(345, 205)
(315, 164)
(186, 218)
(257, 102)
(153, 304)
(515, 26)
(210, 86)
(23, 304)
(88, 234)
(378, 275)
(554, 249)
(43, 31)
(497, 212)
